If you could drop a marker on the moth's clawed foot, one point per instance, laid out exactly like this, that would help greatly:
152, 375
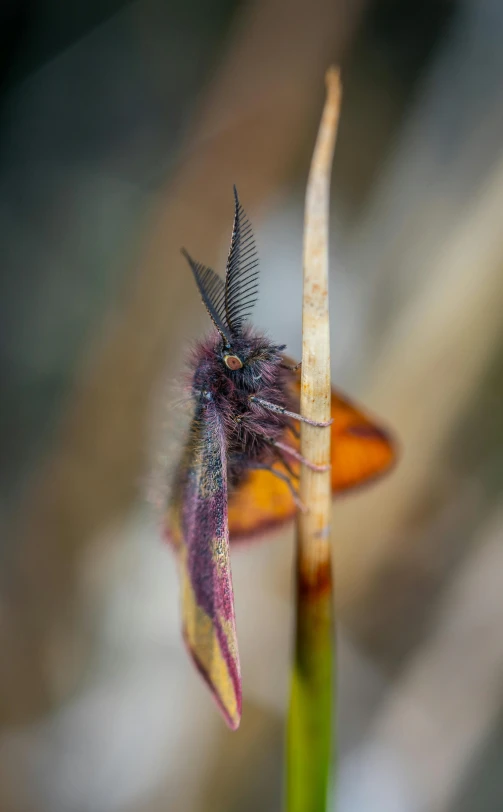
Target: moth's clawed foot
320, 424
292, 452
320, 469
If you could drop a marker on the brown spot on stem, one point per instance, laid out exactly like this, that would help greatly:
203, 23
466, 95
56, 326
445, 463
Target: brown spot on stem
311, 586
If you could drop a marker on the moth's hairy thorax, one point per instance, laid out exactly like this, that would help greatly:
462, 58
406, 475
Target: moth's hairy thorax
248, 427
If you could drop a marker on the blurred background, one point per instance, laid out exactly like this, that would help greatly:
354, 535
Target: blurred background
123, 126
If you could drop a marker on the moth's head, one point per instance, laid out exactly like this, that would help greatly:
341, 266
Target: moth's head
234, 355
240, 352
248, 353
243, 352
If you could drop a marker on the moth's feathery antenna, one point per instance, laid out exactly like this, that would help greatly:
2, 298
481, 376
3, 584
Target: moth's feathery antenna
241, 278
212, 290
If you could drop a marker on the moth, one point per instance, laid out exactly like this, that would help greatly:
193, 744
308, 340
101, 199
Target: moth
238, 473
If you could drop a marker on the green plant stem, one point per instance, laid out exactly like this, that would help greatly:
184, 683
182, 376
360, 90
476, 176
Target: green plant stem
309, 728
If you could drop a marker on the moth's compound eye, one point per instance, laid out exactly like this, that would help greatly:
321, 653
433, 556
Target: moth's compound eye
232, 362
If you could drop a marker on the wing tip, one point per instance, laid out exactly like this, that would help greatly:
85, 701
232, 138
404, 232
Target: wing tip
231, 715
233, 722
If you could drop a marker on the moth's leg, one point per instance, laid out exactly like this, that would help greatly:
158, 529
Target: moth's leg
293, 368
292, 452
273, 407
286, 480
282, 458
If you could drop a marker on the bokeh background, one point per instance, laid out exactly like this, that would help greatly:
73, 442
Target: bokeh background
123, 126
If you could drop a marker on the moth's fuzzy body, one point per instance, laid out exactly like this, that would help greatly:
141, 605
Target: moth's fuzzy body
249, 428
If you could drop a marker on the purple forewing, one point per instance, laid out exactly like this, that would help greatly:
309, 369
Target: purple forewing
207, 595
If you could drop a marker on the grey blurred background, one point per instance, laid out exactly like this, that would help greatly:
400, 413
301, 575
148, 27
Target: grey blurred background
122, 129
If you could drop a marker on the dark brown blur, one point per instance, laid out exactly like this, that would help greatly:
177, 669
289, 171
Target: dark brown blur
123, 127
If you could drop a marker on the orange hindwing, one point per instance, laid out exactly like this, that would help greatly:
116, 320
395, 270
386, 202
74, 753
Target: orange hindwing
361, 452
